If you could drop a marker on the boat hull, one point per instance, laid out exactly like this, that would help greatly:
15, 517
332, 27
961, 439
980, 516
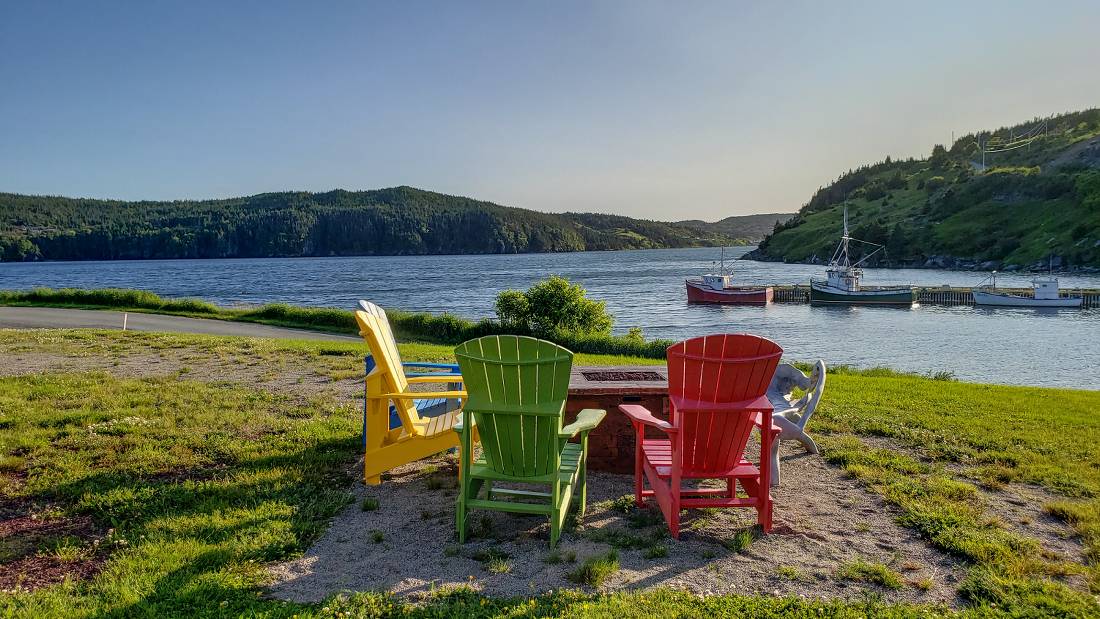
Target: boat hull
1008, 300
897, 297
747, 295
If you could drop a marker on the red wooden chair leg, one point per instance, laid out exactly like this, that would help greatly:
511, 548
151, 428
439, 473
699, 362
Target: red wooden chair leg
674, 516
676, 486
639, 484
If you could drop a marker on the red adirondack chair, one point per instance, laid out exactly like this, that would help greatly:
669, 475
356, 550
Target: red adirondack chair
716, 387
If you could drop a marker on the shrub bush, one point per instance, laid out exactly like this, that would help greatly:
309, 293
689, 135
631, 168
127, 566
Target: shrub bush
554, 305
109, 297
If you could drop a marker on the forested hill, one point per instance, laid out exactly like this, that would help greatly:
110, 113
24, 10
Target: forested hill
749, 228
396, 221
1037, 197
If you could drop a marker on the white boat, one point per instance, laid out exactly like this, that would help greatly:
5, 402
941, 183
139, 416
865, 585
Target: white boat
1045, 294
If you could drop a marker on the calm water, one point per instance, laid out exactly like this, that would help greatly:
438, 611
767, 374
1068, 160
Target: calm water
645, 289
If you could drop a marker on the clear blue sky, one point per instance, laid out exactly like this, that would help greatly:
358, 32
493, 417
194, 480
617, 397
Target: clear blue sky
660, 110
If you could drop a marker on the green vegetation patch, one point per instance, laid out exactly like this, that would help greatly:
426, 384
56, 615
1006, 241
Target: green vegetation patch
596, 569
1026, 205
465, 602
865, 571
952, 434
202, 484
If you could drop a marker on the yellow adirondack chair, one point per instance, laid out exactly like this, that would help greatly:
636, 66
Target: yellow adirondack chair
417, 437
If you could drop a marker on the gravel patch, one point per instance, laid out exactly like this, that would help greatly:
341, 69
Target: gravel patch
408, 546
302, 382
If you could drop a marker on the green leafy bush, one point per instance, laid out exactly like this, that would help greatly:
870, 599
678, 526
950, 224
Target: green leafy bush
554, 305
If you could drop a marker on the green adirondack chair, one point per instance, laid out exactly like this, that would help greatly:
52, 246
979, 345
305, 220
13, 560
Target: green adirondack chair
516, 389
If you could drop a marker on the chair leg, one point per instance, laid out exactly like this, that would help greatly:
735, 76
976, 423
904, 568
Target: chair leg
764, 509
731, 487
674, 515
488, 489
582, 492
807, 442
582, 477
764, 517
775, 463
460, 516
555, 515
639, 484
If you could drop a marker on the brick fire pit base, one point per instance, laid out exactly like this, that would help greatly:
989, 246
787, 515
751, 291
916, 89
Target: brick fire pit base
611, 445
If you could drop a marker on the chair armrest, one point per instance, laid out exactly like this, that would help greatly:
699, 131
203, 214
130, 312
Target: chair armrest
417, 395
434, 378
417, 364
587, 420
450, 369
690, 406
549, 409
640, 414
780, 412
758, 421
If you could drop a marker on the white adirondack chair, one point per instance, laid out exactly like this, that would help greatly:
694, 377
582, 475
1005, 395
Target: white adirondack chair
791, 416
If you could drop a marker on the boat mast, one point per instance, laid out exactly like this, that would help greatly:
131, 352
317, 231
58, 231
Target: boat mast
844, 239
840, 256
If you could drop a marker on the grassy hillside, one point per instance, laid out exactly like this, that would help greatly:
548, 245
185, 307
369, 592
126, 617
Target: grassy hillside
1039, 200
749, 228
396, 221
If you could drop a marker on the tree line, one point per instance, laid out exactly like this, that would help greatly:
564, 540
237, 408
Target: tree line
397, 221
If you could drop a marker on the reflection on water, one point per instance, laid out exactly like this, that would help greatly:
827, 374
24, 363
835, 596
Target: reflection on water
646, 289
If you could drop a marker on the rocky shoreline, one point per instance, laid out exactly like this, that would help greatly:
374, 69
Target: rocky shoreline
950, 263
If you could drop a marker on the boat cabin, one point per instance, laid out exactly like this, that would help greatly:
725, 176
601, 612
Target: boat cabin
1045, 287
717, 282
844, 279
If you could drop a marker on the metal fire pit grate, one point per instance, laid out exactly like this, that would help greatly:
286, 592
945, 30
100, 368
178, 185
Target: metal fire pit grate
612, 376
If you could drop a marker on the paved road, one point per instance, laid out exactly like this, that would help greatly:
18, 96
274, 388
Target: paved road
58, 318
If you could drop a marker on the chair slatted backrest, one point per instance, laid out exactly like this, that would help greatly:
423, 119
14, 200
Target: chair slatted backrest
516, 389
718, 369
375, 329
380, 315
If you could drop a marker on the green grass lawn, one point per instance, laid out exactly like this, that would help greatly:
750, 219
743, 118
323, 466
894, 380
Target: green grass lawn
956, 439
192, 487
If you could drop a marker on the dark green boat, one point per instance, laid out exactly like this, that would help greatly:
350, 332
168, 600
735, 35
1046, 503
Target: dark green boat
842, 284
826, 295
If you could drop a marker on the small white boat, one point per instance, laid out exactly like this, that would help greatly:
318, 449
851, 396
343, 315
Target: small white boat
1045, 294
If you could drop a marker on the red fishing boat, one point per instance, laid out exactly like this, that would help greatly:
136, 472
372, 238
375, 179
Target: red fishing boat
712, 288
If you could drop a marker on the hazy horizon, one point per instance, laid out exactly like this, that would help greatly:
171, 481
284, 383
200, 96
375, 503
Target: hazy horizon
640, 109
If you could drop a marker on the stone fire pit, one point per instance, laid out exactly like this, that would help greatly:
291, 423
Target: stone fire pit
611, 445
